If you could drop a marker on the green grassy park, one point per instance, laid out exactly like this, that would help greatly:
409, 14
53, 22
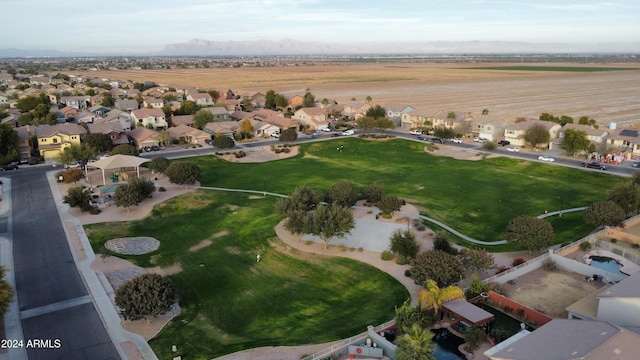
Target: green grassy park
229, 302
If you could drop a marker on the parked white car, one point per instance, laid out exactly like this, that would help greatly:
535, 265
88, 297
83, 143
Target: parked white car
546, 158
456, 140
513, 149
326, 129
415, 132
348, 132
275, 134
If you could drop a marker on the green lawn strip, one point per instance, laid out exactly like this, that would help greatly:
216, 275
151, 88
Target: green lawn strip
553, 68
229, 301
478, 198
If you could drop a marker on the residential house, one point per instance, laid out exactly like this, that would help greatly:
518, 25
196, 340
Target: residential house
312, 117
570, 339
76, 102
202, 99
514, 133
4, 101
53, 139
219, 113
263, 129
226, 94
115, 131
489, 127
99, 109
356, 109
627, 140
460, 122
152, 102
241, 115
126, 104
256, 98
120, 117
597, 136
24, 140
283, 123
182, 120
69, 113
415, 120
230, 104
295, 101
395, 110
262, 114
183, 134
222, 128
86, 117
40, 80
153, 118
143, 137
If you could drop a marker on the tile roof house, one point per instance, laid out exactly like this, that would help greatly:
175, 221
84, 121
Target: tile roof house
241, 115
596, 136
416, 119
126, 104
188, 135
76, 102
282, 122
122, 118
182, 120
262, 114
570, 339
153, 102
24, 140
219, 113
202, 99
142, 137
86, 117
149, 118
624, 140
515, 132
225, 128
356, 109
52, 139
312, 117
230, 104
295, 101
489, 127
257, 98
69, 112
115, 131
396, 110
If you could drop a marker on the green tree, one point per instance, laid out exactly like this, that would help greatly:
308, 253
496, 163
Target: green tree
476, 286
281, 101
444, 133
407, 315
201, 118
604, 213
444, 268
146, 296
288, 135
432, 296
159, 164
627, 196
145, 186
376, 112
78, 197
308, 100
451, 115
223, 142
8, 143
389, 204
373, 194
30, 102
247, 104
127, 196
476, 259
529, 232
108, 100
473, 337
100, 142
537, 134
342, 193
6, 293
366, 124
384, 123
183, 173
404, 243
585, 120
295, 208
188, 107
441, 242
564, 120
270, 100
416, 344
575, 142
368, 98
125, 149
246, 129
329, 221
77, 153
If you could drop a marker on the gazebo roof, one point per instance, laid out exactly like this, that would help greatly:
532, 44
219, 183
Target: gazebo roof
118, 161
469, 312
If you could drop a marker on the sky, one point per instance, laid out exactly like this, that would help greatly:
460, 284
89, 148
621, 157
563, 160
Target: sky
148, 25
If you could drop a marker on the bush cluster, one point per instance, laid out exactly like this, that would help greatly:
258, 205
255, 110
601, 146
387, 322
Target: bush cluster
71, 175
386, 255
518, 261
240, 154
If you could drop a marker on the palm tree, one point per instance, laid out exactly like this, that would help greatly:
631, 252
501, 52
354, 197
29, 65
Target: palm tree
415, 344
433, 296
369, 99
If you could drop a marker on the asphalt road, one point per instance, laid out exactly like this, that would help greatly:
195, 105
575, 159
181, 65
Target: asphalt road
53, 301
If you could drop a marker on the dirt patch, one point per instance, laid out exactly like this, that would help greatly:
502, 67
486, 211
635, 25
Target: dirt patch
461, 154
201, 245
261, 155
167, 270
550, 292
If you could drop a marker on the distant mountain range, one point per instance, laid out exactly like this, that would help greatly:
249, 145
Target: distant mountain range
199, 47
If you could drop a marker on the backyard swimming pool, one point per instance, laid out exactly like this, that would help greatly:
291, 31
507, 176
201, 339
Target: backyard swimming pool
446, 345
607, 264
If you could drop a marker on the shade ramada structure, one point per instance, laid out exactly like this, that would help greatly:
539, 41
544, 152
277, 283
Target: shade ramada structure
118, 162
467, 312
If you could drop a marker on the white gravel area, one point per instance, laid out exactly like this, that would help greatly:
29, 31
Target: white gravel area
133, 245
118, 278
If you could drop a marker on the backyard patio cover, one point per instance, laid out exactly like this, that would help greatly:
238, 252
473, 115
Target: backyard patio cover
118, 161
470, 313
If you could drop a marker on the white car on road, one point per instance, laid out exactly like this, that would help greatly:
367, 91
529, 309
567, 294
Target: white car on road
513, 149
348, 132
415, 132
546, 158
456, 140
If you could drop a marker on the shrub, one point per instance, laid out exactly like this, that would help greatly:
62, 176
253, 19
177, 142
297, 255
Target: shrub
386, 255
489, 145
501, 269
71, 175
585, 246
550, 265
518, 261
614, 240
507, 309
162, 189
520, 312
33, 161
94, 211
497, 288
635, 246
401, 260
407, 273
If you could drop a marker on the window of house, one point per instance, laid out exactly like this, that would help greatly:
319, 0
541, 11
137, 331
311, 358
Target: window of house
55, 140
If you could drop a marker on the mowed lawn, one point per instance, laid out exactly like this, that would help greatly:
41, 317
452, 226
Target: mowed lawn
477, 198
231, 302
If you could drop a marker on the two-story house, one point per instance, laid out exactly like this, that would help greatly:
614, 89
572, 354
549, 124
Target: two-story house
115, 131
126, 104
395, 111
53, 139
155, 103
489, 127
76, 102
597, 136
356, 109
312, 117
514, 133
153, 118
627, 140
201, 99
